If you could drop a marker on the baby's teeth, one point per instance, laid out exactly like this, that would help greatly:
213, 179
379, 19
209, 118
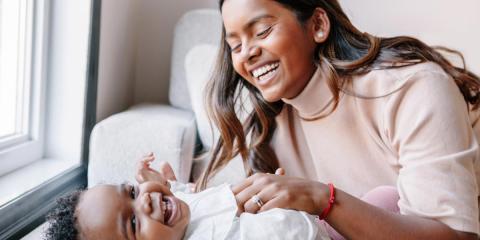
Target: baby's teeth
164, 206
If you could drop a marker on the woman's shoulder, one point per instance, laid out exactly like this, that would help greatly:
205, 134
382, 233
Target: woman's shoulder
419, 71
384, 82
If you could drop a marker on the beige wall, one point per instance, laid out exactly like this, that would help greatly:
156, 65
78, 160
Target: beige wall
135, 47
118, 44
136, 39
155, 32
454, 24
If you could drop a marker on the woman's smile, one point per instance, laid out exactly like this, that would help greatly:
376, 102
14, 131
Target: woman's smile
269, 48
264, 75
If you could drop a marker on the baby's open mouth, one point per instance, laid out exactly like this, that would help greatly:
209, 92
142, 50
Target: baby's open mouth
169, 208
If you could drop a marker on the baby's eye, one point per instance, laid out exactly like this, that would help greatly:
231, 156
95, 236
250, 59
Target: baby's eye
133, 192
133, 222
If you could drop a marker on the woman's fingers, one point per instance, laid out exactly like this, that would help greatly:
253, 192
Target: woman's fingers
242, 185
257, 184
276, 191
256, 202
273, 203
244, 199
255, 178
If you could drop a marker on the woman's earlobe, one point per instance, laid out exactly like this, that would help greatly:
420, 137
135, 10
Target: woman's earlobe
320, 36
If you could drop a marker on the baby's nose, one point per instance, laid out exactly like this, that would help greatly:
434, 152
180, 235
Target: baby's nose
145, 203
157, 206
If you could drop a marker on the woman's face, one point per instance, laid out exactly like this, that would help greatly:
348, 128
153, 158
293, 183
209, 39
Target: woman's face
148, 211
271, 49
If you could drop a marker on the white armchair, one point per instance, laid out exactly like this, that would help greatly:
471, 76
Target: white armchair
174, 131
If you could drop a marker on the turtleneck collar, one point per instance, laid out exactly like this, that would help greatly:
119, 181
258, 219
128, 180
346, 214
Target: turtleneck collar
316, 99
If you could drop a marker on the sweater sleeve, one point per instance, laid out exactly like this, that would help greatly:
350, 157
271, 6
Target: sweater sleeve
428, 126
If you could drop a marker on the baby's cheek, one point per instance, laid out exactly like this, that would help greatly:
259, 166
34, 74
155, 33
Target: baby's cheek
153, 230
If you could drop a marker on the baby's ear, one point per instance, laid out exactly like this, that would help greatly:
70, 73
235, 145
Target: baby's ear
167, 171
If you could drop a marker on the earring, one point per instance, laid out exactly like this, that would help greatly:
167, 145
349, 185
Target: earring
320, 34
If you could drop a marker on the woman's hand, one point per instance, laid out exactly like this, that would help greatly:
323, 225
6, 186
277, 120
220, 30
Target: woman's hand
146, 173
277, 191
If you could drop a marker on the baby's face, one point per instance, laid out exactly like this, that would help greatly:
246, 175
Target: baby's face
147, 211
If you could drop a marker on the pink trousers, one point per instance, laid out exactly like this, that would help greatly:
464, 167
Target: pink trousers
384, 197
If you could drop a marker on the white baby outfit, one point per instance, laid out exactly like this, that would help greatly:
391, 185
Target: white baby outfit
213, 217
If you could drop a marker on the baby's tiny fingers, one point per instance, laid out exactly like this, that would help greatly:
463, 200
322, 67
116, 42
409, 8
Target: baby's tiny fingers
139, 177
280, 171
148, 155
167, 171
149, 159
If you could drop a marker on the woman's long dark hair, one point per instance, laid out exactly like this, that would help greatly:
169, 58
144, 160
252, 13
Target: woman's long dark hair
347, 52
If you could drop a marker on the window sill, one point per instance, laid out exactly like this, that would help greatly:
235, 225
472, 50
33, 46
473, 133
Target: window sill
31, 192
37, 233
27, 178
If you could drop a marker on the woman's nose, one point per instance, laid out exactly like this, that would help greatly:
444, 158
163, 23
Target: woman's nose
250, 53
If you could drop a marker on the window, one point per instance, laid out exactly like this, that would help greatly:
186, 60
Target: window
48, 70
20, 139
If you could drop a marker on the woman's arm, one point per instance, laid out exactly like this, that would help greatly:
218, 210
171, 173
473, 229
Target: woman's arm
426, 125
356, 219
350, 216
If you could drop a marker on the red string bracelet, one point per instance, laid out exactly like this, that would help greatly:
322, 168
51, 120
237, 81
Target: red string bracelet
331, 201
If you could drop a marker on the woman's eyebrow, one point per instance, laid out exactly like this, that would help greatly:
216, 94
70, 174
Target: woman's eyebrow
250, 23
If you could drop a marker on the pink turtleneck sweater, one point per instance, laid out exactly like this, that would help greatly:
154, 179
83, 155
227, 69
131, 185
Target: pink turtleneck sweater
407, 127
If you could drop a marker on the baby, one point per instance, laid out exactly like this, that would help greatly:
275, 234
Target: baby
152, 210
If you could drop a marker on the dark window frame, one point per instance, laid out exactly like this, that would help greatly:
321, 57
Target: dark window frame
25, 213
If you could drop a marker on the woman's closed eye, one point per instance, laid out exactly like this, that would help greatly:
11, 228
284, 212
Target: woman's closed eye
236, 48
265, 32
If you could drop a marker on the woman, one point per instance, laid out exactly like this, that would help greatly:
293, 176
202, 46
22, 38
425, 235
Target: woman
335, 105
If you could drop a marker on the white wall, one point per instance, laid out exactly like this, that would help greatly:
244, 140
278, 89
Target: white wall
155, 32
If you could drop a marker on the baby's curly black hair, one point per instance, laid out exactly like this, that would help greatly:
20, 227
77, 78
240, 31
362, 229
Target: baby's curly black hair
62, 222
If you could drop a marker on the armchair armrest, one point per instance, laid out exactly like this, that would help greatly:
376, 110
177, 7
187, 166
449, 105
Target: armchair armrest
118, 142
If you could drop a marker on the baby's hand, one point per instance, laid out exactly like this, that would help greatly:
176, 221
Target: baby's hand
146, 173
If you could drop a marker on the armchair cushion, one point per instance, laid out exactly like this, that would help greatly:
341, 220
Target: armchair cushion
118, 142
199, 63
196, 27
